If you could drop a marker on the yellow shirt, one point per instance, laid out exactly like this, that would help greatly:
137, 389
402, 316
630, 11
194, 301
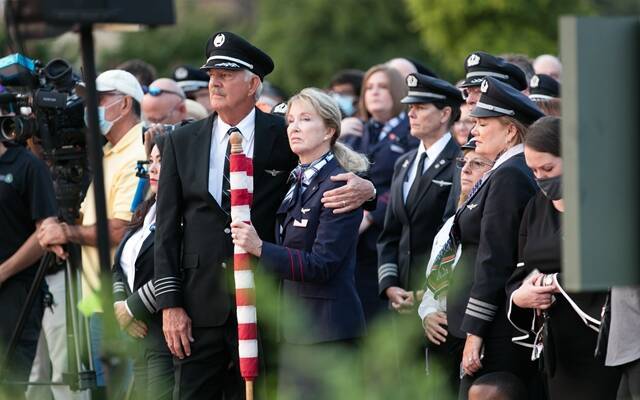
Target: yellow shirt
120, 183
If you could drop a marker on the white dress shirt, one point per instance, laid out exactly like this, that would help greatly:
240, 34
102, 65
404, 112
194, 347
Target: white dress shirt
219, 141
134, 244
432, 154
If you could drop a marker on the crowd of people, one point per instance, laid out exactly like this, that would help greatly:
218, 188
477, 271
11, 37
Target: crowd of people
390, 194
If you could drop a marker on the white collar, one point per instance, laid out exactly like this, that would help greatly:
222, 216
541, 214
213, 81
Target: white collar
247, 127
435, 149
515, 150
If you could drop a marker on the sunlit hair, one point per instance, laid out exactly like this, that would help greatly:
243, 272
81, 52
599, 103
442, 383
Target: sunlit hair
397, 88
549, 106
328, 110
521, 129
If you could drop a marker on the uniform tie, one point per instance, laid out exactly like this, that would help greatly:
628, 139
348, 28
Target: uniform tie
415, 186
226, 184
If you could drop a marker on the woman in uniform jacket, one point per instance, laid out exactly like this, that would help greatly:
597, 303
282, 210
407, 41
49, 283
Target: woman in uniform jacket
486, 226
571, 333
134, 294
314, 253
383, 136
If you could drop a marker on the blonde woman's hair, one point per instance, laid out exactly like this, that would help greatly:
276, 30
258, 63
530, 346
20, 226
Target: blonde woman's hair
521, 129
329, 111
397, 87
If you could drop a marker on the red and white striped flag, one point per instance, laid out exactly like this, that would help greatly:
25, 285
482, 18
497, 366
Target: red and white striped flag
241, 185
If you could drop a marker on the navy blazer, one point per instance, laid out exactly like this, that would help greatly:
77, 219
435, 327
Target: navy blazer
315, 257
487, 227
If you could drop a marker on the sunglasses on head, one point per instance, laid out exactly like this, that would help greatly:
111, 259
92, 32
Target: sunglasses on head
156, 91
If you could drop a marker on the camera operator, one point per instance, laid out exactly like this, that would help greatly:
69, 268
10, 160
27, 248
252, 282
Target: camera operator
163, 104
27, 199
119, 98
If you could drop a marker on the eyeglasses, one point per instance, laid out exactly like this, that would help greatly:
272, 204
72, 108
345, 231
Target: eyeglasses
156, 91
473, 164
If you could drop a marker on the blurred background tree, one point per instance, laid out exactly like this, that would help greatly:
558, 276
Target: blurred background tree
451, 30
310, 40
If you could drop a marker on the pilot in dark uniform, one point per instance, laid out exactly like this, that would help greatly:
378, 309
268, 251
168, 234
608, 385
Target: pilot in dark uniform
419, 191
420, 187
477, 66
383, 142
486, 226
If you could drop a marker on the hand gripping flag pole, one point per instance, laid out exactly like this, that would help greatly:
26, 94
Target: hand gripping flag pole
241, 185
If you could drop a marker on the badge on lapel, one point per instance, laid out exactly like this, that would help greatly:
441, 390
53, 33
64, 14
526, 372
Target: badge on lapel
441, 183
472, 206
273, 172
305, 210
301, 224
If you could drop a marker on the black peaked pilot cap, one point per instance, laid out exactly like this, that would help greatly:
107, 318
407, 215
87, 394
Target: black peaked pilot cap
498, 99
543, 87
190, 78
427, 89
479, 64
226, 50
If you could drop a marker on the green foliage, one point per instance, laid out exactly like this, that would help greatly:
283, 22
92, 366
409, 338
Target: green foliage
451, 30
169, 46
311, 40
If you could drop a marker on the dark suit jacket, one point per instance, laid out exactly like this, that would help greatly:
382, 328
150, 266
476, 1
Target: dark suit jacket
142, 301
405, 242
487, 226
316, 263
193, 266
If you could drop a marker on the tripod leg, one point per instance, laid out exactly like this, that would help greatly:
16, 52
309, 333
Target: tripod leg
24, 312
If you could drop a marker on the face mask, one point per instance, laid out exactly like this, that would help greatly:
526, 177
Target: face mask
345, 103
551, 187
105, 126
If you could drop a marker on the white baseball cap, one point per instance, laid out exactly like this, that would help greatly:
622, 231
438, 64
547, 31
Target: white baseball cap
120, 81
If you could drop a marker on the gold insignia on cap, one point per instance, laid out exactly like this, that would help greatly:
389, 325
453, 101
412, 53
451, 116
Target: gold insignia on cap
484, 86
473, 59
181, 73
219, 40
535, 81
412, 81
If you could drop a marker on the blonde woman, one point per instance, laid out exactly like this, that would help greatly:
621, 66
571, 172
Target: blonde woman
314, 254
486, 226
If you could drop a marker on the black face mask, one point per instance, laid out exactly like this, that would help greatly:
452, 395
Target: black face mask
551, 187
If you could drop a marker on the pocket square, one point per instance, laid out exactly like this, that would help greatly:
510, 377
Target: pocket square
302, 223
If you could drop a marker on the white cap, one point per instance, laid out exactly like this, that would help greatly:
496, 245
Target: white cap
120, 81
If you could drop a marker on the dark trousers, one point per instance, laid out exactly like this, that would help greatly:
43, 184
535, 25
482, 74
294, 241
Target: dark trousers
13, 294
153, 375
442, 362
211, 369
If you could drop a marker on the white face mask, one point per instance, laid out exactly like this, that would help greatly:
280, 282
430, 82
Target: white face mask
105, 126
